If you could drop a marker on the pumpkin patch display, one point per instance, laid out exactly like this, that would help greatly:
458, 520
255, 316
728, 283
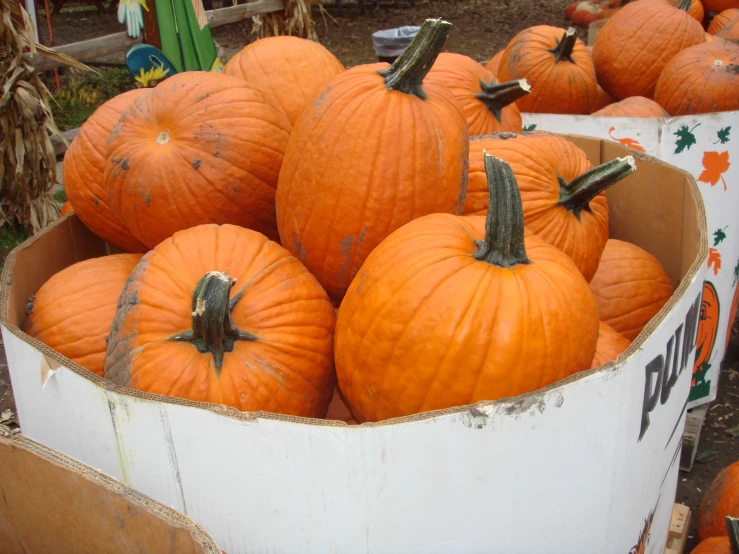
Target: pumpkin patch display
72, 312
695, 10
730, 31
722, 19
202, 147
713, 545
488, 106
377, 149
635, 106
494, 64
719, 501
481, 310
222, 314
610, 345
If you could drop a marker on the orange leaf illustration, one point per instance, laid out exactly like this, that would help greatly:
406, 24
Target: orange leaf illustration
627, 142
714, 165
714, 260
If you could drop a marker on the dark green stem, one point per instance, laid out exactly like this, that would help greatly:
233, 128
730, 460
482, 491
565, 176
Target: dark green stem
732, 526
498, 96
563, 50
685, 5
503, 245
213, 329
576, 195
407, 72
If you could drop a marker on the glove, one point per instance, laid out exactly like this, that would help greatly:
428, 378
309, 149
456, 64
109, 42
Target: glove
130, 13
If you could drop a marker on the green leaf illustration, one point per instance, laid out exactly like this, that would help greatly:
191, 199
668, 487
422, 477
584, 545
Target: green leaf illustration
685, 139
718, 236
529, 127
723, 135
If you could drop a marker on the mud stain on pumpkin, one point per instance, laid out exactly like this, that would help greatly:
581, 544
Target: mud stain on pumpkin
732, 68
202, 97
345, 250
298, 249
196, 164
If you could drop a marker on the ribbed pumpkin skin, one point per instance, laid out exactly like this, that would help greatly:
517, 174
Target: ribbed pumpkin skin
494, 64
630, 287
602, 99
722, 19
290, 70
462, 76
201, 148
363, 161
84, 165
66, 209
288, 369
636, 107
458, 330
719, 501
696, 9
730, 30
637, 42
713, 545
560, 87
73, 310
718, 6
701, 79
536, 160
610, 345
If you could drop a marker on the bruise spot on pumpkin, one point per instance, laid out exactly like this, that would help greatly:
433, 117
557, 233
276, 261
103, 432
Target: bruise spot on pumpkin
96, 201
196, 164
733, 68
115, 161
345, 250
29, 305
124, 165
298, 249
201, 97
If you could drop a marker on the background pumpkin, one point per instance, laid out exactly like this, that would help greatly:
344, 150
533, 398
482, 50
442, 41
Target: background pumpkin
602, 99
708, 322
722, 19
638, 41
351, 176
455, 302
260, 345
66, 209
610, 345
635, 106
719, 501
290, 70
696, 10
730, 30
72, 312
83, 168
713, 545
718, 6
630, 287
201, 148
494, 63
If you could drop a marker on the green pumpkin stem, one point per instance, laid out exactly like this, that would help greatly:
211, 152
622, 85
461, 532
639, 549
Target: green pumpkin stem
576, 195
407, 72
732, 526
685, 5
499, 95
503, 245
563, 50
213, 330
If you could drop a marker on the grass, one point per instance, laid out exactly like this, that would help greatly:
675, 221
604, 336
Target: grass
10, 237
60, 196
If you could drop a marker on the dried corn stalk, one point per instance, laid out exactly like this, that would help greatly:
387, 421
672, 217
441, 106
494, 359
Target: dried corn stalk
27, 159
296, 20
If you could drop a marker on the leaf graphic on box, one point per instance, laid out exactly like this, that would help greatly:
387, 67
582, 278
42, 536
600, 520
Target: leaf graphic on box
715, 164
714, 260
723, 135
685, 138
529, 127
718, 236
627, 142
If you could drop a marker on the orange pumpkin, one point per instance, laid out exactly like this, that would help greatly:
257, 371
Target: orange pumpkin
488, 105
610, 345
84, 164
352, 176
719, 501
289, 70
636, 107
732, 317
695, 10
713, 545
635, 45
66, 209
481, 310
708, 322
557, 66
221, 314
494, 63
722, 19
562, 194
202, 147
72, 312
730, 30
602, 99
630, 287
718, 6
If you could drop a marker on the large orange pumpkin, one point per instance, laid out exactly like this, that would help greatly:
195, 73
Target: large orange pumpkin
719, 501
494, 62
375, 150
701, 79
557, 66
562, 194
201, 148
488, 106
72, 312
695, 10
610, 345
708, 321
290, 70
722, 19
630, 287
480, 310
730, 30
636, 107
83, 168
638, 41
221, 314
713, 545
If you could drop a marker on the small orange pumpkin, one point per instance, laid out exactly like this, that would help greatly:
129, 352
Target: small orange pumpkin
719, 501
66, 209
635, 106
708, 322
72, 312
696, 9
730, 30
722, 19
610, 345
713, 545
494, 63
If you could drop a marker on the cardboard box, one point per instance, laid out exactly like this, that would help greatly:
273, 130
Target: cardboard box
704, 146
586, 466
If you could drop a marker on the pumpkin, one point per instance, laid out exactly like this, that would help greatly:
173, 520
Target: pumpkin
488, 105
602, 99
695, 10
732, 317
291, 71
730, 30
494, 64
713, 545
718, 6
480, 310
719, 501
635, 45
562, 194
557, 66
722, 19
66, 209
701, 79
610, 345
338, 410
83, 168
221, 314
630, 287
73, 310
636, 107
352, 176
708, 322
202, 147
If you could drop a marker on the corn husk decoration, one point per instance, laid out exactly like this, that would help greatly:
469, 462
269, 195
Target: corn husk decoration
296, 20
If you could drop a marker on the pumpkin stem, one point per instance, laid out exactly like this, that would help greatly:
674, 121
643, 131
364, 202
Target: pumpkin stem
497, 96
503, 244
576, 195
407, 72
685, 5
563, 50
213, 330
732, 526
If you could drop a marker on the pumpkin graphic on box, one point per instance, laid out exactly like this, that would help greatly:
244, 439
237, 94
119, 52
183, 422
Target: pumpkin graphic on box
705, 339
732, 316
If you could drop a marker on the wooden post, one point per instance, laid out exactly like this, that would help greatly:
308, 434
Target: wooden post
151, 27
